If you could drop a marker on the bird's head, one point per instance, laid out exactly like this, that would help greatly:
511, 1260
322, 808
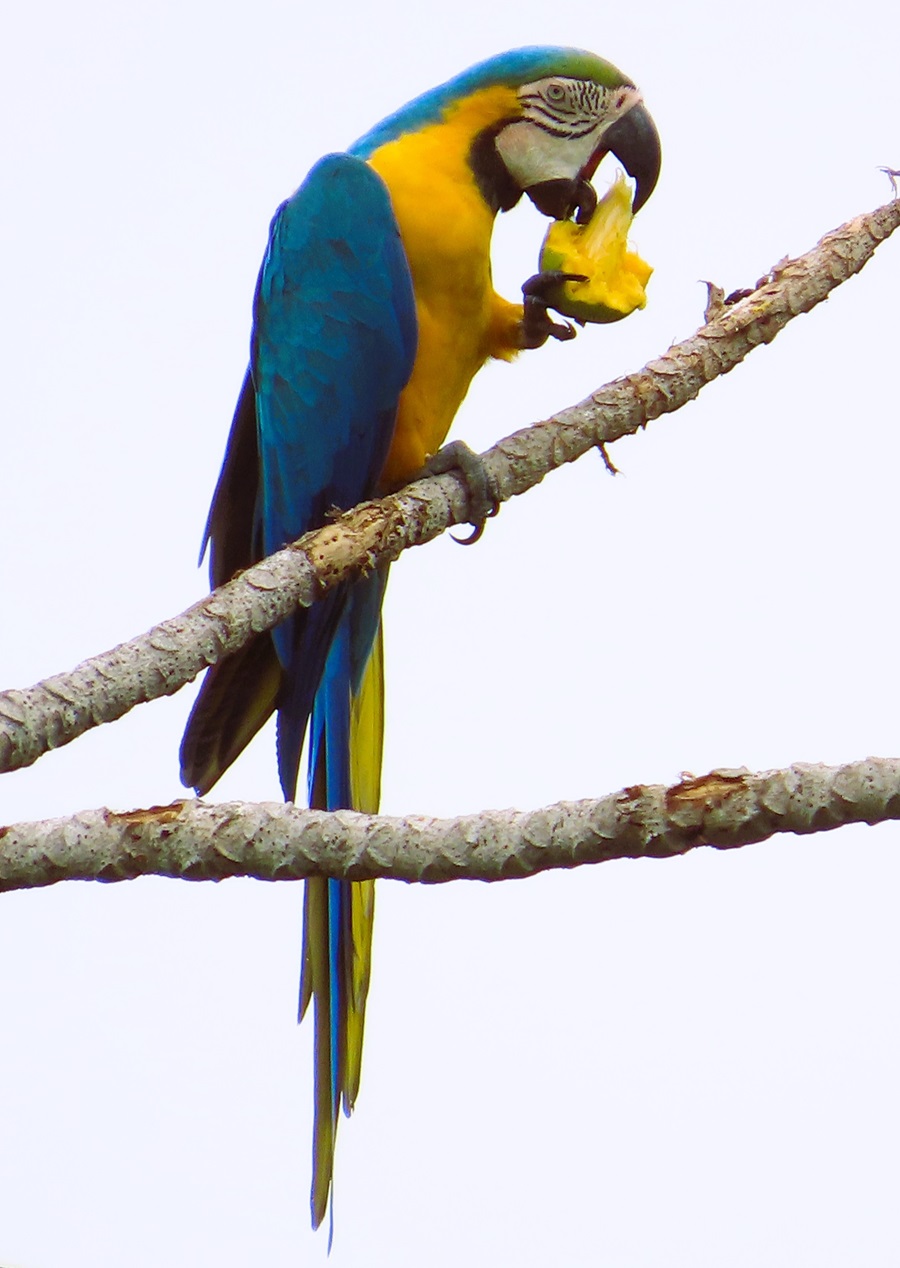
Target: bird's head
568, 117
567, 124
538, 121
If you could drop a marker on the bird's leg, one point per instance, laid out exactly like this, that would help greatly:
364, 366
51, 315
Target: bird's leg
483, 500
537, 324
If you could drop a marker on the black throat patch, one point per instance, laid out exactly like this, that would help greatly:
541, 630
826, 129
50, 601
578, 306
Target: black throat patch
497, 187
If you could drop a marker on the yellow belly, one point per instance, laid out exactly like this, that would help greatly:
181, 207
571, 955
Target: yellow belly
446, 228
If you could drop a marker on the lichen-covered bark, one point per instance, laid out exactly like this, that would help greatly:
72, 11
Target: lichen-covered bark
273, 841
160, 662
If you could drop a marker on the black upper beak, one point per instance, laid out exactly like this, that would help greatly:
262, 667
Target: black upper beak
634, 141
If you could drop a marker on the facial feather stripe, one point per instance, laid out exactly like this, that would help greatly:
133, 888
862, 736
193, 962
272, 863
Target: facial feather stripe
566, 107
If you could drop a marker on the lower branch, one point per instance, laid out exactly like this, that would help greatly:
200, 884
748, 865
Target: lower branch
192, 840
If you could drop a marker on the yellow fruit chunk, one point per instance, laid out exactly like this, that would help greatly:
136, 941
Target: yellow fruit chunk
599, 249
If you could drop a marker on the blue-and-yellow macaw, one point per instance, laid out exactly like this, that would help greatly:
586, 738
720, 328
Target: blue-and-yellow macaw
373, 311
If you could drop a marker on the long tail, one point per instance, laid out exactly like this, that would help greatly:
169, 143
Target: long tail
346, 724
346, 731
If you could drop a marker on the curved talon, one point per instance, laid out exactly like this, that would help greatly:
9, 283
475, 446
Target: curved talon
538, 326
541, 285
477, 529
474, 536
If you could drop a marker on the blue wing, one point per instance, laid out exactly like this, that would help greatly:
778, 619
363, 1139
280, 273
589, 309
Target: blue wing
333, 345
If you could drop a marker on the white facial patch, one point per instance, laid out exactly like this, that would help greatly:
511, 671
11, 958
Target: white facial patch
531, 155
562, 125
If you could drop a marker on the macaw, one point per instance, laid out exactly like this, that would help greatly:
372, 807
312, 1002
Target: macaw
373, 311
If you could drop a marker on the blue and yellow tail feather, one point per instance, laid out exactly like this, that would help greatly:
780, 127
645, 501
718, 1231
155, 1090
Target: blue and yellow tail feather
346, 737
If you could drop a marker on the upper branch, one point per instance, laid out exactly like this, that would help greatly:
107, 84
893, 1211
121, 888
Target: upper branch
194, 840
160, 662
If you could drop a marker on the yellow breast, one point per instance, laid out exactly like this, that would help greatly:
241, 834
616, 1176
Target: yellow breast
446, 229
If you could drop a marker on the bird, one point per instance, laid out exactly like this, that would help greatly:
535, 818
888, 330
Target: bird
374, 308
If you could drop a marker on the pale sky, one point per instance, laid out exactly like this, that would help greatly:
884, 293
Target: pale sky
639, 1065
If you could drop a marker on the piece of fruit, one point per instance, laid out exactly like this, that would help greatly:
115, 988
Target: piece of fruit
599, 249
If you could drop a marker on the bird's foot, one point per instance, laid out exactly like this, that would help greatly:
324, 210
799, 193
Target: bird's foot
483, 500
537, 324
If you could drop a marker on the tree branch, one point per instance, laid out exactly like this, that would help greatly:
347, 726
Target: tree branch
193, 840
163, 660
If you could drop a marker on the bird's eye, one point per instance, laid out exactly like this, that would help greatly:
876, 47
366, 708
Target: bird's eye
556, 92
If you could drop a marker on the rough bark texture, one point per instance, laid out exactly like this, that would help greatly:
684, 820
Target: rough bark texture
160, 662
273, 841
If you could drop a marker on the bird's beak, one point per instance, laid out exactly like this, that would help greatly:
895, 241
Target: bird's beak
634, 141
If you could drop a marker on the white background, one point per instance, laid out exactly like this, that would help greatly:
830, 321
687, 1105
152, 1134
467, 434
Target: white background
662, 1063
